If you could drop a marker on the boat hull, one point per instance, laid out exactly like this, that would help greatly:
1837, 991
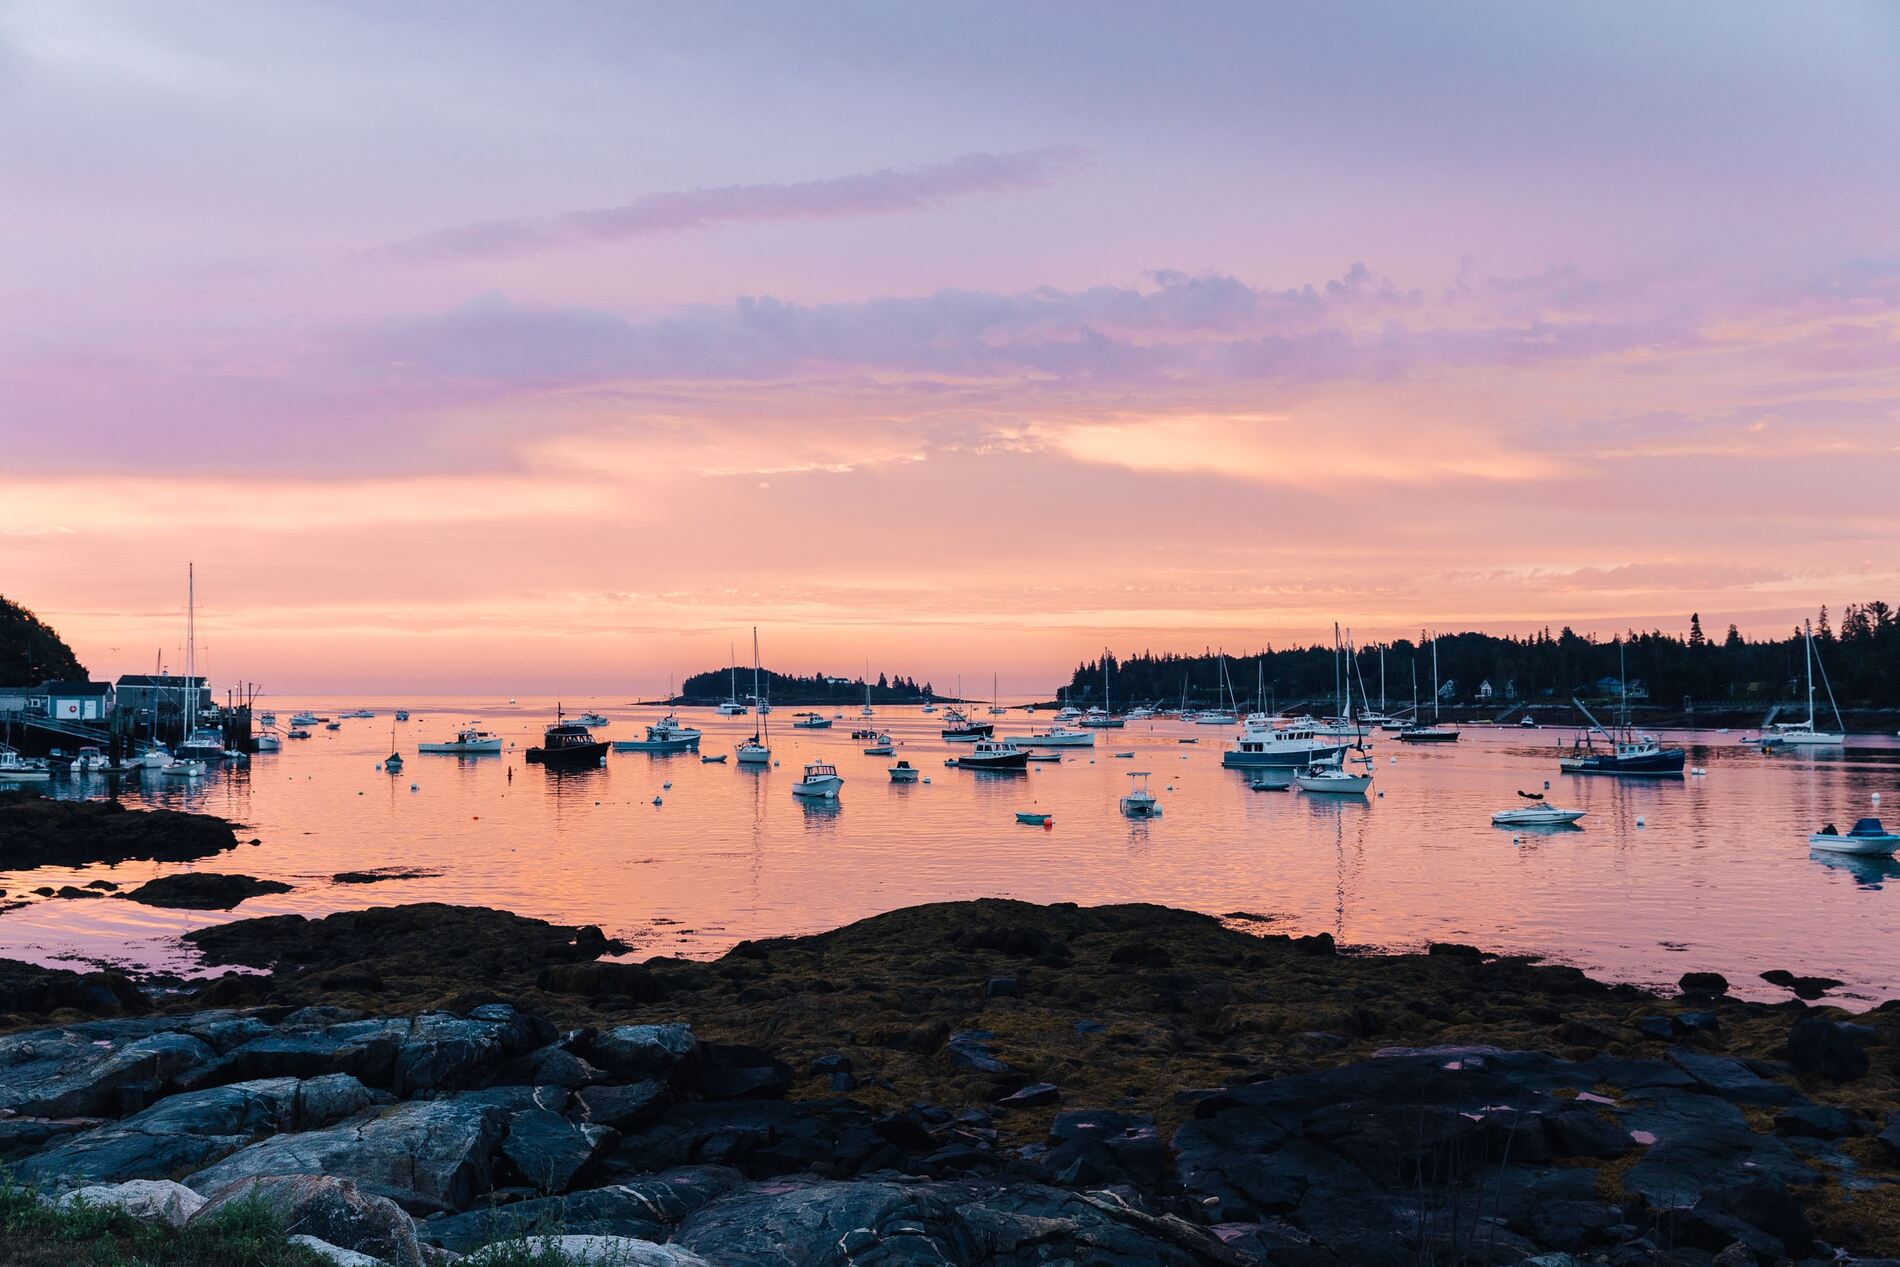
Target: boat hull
995, 761
461, 749
690, 744
1428, 736
1663, 764
1861, 846
755, 756
1350, 785
1054, 740
968, 734
824, 789
1535, 818
1289, 757
579, 757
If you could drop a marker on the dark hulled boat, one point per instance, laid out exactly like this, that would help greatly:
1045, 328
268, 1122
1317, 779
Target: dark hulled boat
1625, 753
567, 746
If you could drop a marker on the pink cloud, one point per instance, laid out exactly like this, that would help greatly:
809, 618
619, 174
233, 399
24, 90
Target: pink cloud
886, 191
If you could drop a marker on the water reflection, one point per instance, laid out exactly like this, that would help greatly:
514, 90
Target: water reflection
1717, 874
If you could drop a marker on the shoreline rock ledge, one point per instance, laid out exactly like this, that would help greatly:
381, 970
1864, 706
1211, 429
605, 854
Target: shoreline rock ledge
990, 1129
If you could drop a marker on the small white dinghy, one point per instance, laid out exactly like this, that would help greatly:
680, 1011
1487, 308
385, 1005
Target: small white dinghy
1866, 837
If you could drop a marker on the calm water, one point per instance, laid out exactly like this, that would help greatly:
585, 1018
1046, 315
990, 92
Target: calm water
1718, 876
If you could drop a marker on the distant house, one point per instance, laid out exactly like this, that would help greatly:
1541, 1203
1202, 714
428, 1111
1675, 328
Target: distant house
1639, 689
1484, 689
160, 692
1449, 690
72, 701
1609, 686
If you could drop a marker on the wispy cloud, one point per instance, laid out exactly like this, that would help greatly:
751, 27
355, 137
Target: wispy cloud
886, 191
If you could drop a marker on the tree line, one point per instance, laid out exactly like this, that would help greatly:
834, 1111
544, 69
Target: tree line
1860, 659
31, 653
716, 684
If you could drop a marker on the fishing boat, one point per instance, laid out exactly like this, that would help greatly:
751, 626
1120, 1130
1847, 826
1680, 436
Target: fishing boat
1802, 734
1538, 813
304, 719
1034, 819
298, 732
1140, 802
1331, 779
1294, 745
758, 749
15, 768
402, 714
1055, 737
664, 735
811, 721
960, 729
929, 707
593, 719
820, 781
468, 740
567, 745
1866, 837
993, 754
881, 747
903, 772
204, 743
268, 742
1629, 753
89, 761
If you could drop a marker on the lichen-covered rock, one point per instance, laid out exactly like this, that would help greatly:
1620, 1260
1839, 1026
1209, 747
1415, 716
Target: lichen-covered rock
646, 1208
594, 1251
646, 1051
331, 1209
94, 1070
149, 1200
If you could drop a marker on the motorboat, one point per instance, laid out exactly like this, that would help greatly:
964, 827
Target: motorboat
1537, 813
903, 772
393, 762
593, 719
812, 721
820, 781
1055, 737
267, 742
469, 739
1526, 723
333, 725
185, 769
962, 730
1140, 802
1291, 745
1214, 717
1067, 713
1867, 837
204, 743
567, 745
665, 735
1043, 756
1142, 713
731, 708
994, 754
882, 747
1271, 779
298, 732
89, 761
1102, 719
1428, 734
15, 768
304, 719
270, 719
1331, 778
402, 714
929, 707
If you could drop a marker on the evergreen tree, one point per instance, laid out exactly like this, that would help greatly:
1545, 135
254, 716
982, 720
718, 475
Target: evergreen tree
31, 653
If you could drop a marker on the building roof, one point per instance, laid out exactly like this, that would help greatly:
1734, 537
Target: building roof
174, 681
76, 688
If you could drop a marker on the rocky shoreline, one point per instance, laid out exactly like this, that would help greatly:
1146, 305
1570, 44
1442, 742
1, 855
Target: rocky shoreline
984, 1082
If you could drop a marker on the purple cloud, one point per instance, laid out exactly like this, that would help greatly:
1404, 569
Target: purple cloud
886, 191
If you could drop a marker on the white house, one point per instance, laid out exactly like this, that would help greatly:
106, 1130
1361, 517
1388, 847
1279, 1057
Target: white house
1484, 689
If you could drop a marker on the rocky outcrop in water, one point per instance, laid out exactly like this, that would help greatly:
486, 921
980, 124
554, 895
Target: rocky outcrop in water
203, 890
37, 831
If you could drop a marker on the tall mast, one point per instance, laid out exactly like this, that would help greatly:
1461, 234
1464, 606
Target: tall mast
1807, 628
765, 720
1434, 675
732, 676
1382, 677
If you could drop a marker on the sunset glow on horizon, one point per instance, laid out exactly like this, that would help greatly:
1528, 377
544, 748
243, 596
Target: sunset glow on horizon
556, 347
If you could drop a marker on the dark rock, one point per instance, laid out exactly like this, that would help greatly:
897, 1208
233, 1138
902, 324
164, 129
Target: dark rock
1089, 1027
904, 1224
971, 1050
1698, 1022
649, 1208
1703, 983
98, 1069
1453, 950
364, 1049
1141, 954
605, 980
831, 1062
1032, 1096
1317, 944
736, 1072
203, 890
334, 1210
1731, 1079
1001, 988
41, 832
552, 1153
1803, 987
424, 1155
623, 1107
1890, 1139
1656, 1026
1815, 1121
1091, 1148
1754, 1205
646, 1051
186, 1132
20, 1136
105, 886
1827, 1048
843, 1081
28, 989
761, 1138
71, 891
380, 874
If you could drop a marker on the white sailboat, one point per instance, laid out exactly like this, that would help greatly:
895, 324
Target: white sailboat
867, 710
758, 749
996, 703
733, 707
1802, 734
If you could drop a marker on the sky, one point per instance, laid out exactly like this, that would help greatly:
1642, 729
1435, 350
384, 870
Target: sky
468, 346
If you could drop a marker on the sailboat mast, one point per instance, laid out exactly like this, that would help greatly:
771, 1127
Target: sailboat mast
1807, 628
1434, 675
1382, 677
757, 699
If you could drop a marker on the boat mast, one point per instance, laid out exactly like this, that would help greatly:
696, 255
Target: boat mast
732, 676
1434, 675
1382, 677
1807, 628
763, 717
